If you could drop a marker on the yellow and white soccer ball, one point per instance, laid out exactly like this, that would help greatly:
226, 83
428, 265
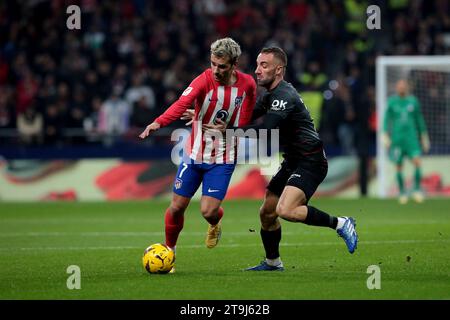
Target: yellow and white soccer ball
158, 258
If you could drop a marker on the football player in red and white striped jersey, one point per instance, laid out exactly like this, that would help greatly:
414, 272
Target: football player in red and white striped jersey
221, 94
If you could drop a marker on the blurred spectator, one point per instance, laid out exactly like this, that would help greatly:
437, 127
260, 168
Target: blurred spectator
47, 92
356, 16
7, 112
27, 89
297, 12
113, 117
337, 123
345, 115
365, 134
95, 37
92, 84
4, 71
77, 111
138, 90
120, 80
30, 125
53, 124
313, 79
91, 122
103, 78
141, 115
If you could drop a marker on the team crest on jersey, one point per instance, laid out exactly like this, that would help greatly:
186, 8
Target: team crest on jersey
410, 108
178, 183
238, 102
187, 91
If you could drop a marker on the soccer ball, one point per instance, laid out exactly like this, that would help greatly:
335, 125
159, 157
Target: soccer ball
158, 258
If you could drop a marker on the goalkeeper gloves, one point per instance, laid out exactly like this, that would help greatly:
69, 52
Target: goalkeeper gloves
425, 143
386, 140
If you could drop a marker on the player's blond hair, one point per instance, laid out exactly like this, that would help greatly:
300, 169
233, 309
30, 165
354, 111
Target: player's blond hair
226, 47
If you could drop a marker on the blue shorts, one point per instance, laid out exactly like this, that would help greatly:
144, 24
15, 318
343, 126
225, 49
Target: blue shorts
215, 178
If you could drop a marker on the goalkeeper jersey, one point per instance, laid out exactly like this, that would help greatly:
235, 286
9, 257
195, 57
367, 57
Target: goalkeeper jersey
403, 119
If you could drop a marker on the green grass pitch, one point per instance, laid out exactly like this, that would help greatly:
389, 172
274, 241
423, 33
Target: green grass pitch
410, 244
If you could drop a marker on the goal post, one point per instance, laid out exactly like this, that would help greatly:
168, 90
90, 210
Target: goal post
429, 77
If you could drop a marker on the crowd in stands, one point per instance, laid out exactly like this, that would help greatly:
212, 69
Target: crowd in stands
132, 58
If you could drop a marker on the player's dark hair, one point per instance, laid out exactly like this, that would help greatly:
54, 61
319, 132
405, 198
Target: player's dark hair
277, 53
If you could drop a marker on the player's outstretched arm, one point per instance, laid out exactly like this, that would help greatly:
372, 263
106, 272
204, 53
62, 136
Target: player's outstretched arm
152, 127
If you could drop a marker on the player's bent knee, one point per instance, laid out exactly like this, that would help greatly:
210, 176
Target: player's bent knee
267, 212
177, 208
209, 212
283, 211
178, 204
267, 216
263, 211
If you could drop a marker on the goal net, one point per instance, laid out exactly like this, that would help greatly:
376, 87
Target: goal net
429, 81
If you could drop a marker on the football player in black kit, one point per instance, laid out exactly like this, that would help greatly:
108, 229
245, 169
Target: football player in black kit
304, 167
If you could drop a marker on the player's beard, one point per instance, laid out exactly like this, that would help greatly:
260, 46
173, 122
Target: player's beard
267, 82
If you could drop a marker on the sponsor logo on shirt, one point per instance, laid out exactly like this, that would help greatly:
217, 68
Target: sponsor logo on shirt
221, 115
278, 105
187, 91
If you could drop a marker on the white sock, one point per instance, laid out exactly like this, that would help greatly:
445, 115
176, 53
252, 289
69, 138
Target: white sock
274, 262
340, 223
173, 249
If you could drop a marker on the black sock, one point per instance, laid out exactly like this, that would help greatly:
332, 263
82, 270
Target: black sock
271, 241
315, 217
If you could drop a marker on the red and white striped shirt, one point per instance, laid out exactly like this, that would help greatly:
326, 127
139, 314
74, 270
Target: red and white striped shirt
232, 104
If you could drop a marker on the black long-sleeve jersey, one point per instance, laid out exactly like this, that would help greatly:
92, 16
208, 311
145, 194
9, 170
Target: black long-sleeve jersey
284, 109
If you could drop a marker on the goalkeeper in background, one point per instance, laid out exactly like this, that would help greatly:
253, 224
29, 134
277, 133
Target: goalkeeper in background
405, 134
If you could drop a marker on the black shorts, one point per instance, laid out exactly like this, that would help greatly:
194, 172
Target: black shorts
303, 175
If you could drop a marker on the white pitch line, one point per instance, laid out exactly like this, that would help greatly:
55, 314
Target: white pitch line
118, 234
235, 245
68, 221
